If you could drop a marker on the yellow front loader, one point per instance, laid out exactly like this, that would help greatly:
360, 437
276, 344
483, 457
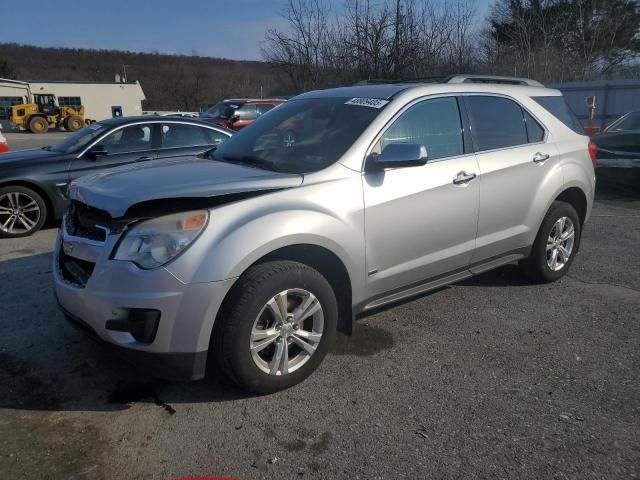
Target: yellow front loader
43, 113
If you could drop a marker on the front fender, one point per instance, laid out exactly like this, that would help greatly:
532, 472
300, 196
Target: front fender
240, 234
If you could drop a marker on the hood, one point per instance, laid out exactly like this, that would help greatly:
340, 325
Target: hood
25, 155
116, 190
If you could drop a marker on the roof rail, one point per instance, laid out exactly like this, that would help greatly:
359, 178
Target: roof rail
384, 81
493, 79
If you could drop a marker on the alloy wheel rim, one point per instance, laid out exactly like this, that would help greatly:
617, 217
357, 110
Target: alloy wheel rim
19, 213
287, 332
560, 243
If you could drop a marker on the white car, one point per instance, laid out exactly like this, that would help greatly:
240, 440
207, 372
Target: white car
4, 146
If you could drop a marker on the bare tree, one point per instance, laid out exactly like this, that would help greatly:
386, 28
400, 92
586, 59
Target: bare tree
301, 53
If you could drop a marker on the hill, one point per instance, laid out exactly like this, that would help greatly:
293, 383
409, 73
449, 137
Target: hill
170, 82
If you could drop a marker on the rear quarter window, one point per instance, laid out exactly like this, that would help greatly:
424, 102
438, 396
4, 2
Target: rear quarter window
557, 107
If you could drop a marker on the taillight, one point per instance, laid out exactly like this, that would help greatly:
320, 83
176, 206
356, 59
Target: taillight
593, 151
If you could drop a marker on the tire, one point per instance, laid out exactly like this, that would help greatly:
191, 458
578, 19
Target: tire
24, 223
246, 310
73, 123
540, 266
38, 125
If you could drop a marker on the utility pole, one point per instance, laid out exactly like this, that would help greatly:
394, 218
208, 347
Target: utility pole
396, 42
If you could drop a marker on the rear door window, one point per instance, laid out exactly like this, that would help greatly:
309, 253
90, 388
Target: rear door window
557, 107
496, 122
175, 135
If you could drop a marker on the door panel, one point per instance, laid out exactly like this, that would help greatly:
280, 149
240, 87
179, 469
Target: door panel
510, 184
418, 223
508, 139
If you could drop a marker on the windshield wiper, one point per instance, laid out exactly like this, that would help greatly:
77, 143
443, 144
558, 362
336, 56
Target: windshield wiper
251, 160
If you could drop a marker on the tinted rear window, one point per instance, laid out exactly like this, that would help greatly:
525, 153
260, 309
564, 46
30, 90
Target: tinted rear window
559, 109
496, 122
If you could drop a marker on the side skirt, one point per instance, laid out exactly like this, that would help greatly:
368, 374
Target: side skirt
410, 291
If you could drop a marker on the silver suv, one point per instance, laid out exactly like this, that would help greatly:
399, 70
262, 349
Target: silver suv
328, 207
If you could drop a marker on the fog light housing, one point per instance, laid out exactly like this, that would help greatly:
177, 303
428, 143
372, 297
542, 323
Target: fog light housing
141, 323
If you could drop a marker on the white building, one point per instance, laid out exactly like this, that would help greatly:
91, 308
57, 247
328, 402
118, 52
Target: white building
100, 99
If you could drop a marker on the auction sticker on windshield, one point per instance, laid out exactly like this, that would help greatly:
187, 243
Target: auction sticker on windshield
367, 102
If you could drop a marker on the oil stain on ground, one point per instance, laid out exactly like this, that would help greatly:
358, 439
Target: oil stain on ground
365, 341
136, 392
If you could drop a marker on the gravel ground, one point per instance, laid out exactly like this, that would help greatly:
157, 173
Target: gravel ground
490, 378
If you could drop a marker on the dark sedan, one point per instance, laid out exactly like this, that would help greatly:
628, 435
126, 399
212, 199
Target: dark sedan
618, 159
33, 183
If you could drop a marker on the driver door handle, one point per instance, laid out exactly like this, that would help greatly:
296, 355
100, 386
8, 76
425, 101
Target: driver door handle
462, 178
540, 157
143, 159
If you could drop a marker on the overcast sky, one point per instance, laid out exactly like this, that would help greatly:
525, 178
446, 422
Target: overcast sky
217, 28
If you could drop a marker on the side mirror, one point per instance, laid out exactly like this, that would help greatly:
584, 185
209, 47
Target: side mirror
234, 118
96, 151
399, 155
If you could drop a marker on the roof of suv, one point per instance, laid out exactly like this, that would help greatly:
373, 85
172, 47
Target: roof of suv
458, 83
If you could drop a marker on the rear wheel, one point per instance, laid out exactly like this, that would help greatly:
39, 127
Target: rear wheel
74, 123
276, 327
556, 244
38, 124
22, 211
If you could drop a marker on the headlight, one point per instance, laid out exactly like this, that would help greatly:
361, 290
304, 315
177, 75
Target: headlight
153, 243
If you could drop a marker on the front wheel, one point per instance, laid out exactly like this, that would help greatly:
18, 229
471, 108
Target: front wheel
22, 211
276, 327
74, 123
556, 244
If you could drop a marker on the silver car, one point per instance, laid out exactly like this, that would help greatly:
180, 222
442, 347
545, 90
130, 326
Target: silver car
334, 204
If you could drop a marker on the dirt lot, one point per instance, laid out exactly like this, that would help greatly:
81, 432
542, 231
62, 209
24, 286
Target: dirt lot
491, 378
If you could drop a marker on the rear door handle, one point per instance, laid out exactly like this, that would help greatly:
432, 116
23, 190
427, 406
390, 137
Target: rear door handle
540, 157
462, 178
143, 159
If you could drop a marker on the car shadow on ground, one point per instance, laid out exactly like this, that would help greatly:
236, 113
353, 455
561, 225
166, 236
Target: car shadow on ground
47, 364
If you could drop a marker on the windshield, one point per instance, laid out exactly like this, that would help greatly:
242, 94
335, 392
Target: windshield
630, 121
81, 138
223, 110
301, 136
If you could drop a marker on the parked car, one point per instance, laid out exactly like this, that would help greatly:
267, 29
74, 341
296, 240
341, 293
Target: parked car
33, 183
248, 113
257, 257
618, 161
4, 145
223, 111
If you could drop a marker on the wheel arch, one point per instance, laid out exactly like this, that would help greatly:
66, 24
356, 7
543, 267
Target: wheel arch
576, 197
327, 263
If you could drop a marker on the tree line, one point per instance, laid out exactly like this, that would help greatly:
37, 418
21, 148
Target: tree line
170, 82
548, 40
